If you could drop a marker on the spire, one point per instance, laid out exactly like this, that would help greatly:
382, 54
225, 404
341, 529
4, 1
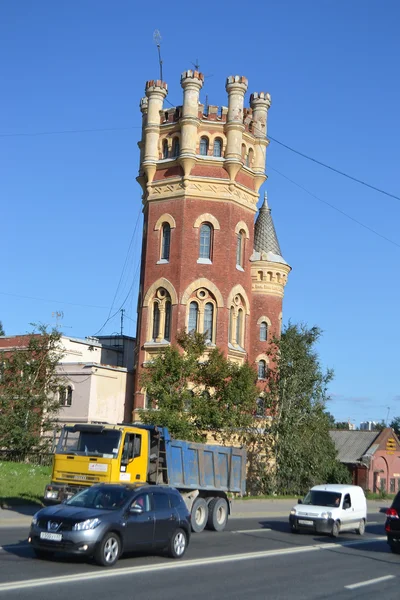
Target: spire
265, 239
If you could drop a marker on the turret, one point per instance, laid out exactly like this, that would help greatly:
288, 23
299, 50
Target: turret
156, 91
191, 82
260, 104
236, 87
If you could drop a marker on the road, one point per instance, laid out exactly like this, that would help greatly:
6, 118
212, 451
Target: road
254, 558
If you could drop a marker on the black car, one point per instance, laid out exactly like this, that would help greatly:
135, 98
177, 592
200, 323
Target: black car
392, 525
106, 520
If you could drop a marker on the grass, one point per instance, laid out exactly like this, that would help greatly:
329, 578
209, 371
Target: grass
21, 483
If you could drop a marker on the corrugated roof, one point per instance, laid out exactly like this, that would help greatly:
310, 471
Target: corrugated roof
352, 445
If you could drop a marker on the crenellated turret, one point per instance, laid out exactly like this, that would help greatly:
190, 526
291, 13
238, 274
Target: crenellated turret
260, 104
156, 91
191, 82
236, 86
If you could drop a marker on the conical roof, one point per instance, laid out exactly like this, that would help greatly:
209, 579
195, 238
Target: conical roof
265, 239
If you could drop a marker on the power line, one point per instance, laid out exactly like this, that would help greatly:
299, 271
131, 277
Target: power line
322, 164
335, 208
53, 301
37, 133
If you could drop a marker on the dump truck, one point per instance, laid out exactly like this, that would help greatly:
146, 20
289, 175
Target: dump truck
92, 453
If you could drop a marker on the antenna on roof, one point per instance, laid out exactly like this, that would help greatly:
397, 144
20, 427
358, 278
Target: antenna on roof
196, 65
157, 40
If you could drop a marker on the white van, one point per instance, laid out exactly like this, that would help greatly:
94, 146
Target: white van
330, 509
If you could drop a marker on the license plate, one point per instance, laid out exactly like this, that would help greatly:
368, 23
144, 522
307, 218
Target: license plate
54, 537
305, 522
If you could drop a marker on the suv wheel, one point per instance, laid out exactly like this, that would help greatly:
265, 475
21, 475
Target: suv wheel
108, 551
178, 544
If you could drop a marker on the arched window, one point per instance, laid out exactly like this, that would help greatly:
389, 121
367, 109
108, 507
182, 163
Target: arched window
203, 146
243, 151
240, 248
262, 369
217, 151
166, 241
260, 407
249, 159
239, 327
231, 321
208, 321
156, 321
263, 331
205, 241
193, 316
165, 149
167, 327
175, 147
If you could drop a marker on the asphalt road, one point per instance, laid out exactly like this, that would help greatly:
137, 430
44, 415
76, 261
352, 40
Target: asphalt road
253, 558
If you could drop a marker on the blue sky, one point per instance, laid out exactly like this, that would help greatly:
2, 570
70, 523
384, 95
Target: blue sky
71, 208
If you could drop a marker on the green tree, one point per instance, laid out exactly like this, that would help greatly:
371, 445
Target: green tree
395, 425
2, 332
298, 442
28, 392
192, 396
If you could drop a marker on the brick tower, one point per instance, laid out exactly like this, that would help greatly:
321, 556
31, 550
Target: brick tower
205, 265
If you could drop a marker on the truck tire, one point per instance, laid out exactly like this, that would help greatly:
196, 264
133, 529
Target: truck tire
217, 514
199, 515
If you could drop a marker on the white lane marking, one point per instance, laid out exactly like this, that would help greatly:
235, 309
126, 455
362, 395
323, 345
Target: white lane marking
252, 530
354, 586
144, 569
373, 523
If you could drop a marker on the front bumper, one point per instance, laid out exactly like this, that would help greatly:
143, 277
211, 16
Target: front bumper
72, 542
54, 493
311, 524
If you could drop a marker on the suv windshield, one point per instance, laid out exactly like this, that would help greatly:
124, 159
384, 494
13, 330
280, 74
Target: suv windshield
322, 498
103, 443
104, 497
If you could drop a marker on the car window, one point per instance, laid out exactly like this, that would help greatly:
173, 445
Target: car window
161, 501
347, 499
143, 501
175, 500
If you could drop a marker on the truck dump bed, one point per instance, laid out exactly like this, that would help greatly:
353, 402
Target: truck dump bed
204, 466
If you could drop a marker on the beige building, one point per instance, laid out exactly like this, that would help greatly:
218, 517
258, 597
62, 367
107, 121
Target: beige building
97, 379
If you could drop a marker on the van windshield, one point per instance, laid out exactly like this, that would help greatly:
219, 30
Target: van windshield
322, 498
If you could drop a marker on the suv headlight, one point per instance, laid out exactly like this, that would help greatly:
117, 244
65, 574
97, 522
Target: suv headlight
88, 524
34, 520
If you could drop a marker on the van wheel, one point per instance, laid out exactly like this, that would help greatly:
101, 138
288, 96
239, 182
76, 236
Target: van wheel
199, 515
361, 528
335, 529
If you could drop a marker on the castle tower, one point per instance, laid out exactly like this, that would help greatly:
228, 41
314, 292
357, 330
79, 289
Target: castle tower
201, 169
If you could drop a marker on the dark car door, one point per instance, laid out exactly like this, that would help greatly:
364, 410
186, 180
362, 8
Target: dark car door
166, 518
139, 528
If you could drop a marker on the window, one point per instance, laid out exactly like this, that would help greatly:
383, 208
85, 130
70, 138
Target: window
167, 330
193, 316
161, 317
263, 331
204, 146
217, 147
156, 320
239, 326
240, 248
175, 147
175, 500
161, 501
208, 321
262, 369
205, 241
237, 322
249, 158
347, 501
260, 407
143, 502
165, 149
65, 395
392, 483
166, 241
132, 445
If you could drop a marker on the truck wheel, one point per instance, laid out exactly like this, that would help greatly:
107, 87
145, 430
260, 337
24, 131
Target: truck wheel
108, 551
199, 515
217, 514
